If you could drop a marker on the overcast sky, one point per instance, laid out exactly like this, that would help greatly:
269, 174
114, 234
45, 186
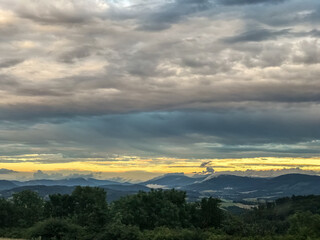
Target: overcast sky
114, 85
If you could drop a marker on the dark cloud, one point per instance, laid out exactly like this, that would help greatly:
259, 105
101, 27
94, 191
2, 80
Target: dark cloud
204, 164
315, 33
257, 35
173, 12
10, 62
208, 169
75, 54
244, 2
177, 134
289, 14
8, 82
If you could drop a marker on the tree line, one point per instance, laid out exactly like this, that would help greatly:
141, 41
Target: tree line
155, 215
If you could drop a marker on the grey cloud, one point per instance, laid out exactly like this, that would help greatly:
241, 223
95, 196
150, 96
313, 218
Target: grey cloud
6, 171
163, 17
209, 170
204, 164
40, 92
77, 175
289, 14
143, 72
257, 35
312, 33
54, 18
62, 12
10, 62
10, 161
136, 97
193, 134
309, 53
243, 2
315, 33
77, 53
269, 173
59, 175
7, 82
169, 79
41, 175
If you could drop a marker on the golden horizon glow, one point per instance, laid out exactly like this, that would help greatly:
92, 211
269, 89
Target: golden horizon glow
32, 163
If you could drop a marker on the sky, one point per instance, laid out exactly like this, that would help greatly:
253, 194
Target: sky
144, 87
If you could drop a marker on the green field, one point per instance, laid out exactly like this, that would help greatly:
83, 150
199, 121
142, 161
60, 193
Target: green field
11, 239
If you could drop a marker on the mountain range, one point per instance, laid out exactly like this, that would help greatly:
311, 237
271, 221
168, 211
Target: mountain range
228, 187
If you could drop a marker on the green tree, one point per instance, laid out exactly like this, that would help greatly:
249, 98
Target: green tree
211, 214
55, 229
153, 209
119, 231
90, 206
8, 214
305, 224
59, 206
29, 207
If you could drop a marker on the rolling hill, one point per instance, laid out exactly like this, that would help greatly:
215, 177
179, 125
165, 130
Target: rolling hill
67, 182
238, 188
114, 192
4, 184
223, 186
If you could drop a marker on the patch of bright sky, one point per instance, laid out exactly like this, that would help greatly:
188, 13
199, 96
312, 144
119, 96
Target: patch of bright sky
35, 162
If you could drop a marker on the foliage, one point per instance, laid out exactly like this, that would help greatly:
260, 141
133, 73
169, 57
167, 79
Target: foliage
7, 213
87, 206
118, 231
154, 215
28, 207
211, 215
59, 206
305, 224
55, 229
154, 209
90, 206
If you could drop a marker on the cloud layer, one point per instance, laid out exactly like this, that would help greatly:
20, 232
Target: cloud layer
191, 79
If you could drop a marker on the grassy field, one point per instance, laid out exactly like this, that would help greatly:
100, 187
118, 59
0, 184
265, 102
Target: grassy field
11, 239
229, 203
